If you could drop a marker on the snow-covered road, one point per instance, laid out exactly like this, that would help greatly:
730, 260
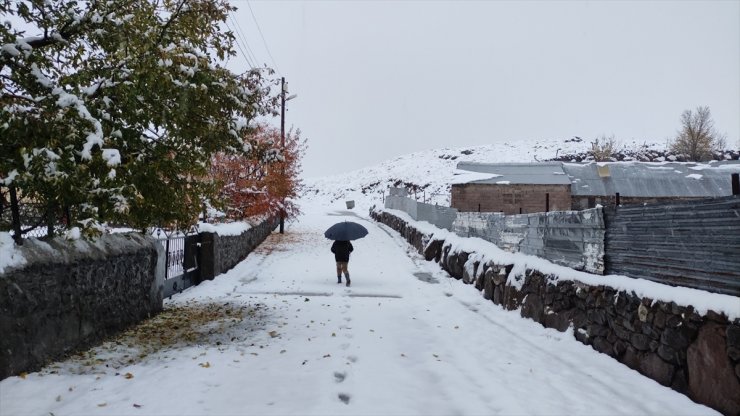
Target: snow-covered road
404, 339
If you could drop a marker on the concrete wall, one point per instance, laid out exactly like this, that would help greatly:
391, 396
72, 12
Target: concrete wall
570, 238
70, 295
697, 355
509, 199
440, 216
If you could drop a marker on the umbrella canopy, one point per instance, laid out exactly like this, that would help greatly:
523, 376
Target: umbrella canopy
345, 231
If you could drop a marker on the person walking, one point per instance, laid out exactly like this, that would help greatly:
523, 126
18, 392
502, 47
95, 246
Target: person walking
341, 250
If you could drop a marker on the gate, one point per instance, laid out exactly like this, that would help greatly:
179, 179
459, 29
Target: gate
181, 264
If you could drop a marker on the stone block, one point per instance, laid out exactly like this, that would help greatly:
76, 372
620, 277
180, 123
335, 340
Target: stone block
654, 367
712, 378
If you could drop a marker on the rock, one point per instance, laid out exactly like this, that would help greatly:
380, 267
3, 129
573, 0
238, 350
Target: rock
433, 251
487, 285
499, 277
557, 321
597, 331
630, 358
498, 294
712, 378
667, 353
642, 313
733, 336
673, 321
619, 348
652, 366
680, 383
733, 353
597, 316
678, 338
601, 345
532, 308
640, 341
659, 320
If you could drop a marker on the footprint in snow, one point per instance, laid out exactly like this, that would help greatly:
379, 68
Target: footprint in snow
352, 358
339, 377
344, 397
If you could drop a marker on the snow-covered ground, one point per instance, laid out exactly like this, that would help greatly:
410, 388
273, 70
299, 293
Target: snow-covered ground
278, 335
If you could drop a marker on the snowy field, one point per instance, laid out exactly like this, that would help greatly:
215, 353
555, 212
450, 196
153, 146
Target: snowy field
277, 335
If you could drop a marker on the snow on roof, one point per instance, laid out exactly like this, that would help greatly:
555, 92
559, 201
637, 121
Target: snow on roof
643, 179
629, 179
518, 173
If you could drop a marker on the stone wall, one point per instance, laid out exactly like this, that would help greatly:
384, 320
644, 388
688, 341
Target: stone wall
697, 355
509, 199
569, 238
70, 295
220, 253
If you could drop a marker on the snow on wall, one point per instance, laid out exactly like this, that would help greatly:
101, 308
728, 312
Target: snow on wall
68, 294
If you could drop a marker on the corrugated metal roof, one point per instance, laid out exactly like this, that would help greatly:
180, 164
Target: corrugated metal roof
630, 179
638, 179
550, 173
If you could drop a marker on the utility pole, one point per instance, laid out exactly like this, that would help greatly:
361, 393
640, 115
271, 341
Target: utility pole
282, 143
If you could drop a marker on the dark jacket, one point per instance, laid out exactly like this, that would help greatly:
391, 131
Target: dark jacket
341, 250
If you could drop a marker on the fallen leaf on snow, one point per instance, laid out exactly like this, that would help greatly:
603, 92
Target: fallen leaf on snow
137, 405
23, 375
102, 404
273, 334
128, 375
205, 364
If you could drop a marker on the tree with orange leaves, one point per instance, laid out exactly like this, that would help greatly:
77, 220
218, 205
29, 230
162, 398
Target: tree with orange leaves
264, 184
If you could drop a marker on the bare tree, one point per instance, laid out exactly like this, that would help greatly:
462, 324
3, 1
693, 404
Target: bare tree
603, 148
697, 138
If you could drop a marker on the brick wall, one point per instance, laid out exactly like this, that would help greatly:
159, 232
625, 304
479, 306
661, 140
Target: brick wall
509, 199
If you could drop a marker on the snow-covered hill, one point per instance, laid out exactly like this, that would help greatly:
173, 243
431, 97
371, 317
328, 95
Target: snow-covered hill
430, 172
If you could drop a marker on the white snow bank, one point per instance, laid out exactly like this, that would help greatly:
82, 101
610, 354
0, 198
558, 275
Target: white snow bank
10, 256
701, 300
232, 228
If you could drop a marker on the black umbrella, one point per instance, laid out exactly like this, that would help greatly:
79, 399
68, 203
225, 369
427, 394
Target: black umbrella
345, 231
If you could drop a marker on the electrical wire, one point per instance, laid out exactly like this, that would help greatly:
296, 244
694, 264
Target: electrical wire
263, 37
244, 54
240, 34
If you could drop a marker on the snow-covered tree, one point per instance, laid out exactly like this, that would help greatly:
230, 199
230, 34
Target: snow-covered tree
112, 110
265, 183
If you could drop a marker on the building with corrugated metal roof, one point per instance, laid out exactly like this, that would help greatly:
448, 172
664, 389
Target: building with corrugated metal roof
514, 188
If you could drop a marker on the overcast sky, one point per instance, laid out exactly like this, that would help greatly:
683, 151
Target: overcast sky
380, 79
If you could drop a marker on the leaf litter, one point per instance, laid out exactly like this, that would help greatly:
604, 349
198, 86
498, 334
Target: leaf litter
177, 327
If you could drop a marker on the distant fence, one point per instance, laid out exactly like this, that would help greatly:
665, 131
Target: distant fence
690, 243
570, 238
440, 216
694, 244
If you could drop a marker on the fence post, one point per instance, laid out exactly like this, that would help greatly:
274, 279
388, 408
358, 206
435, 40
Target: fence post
547, 202
478, 208
617, 201
736, 183
16, 216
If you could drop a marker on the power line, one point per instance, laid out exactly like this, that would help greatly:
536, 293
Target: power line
263, 37
240, 33
246, 56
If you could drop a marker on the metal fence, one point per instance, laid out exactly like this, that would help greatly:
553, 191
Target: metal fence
181, 261
694, 244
